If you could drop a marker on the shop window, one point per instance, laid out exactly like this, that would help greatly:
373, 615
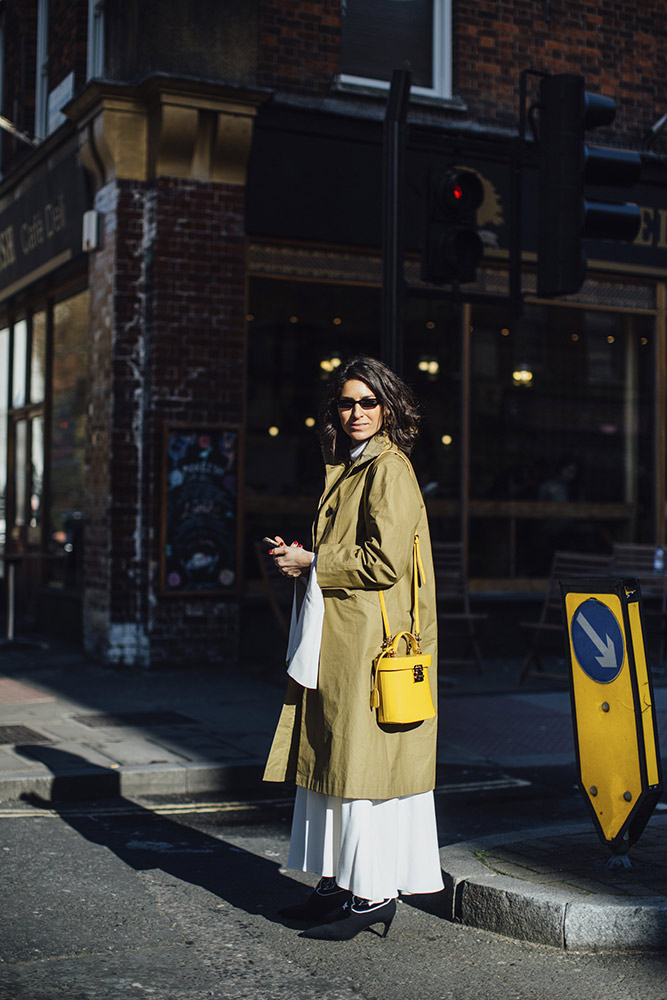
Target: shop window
560, 414
36, 478
379, 36
20, 363
68, 430
20, 467
298, 334
38, 357
95, 60
433, 368
41, 473
23, 466
4, 407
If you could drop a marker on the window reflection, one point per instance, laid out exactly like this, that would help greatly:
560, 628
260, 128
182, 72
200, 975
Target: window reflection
297, 336
20, 461
4, 400
38, 357
19, 367
68, 427
433, 369
37, 470
377, 37
560, 413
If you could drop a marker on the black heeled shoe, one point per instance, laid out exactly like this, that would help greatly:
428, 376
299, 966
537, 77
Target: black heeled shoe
325, 899
353, 917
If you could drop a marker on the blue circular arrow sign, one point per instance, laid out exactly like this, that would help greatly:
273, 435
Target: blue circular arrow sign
597, 640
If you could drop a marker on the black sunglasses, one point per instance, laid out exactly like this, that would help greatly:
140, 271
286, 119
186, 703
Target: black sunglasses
366, 403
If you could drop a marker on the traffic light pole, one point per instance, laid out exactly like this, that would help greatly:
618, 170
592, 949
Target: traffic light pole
393, 280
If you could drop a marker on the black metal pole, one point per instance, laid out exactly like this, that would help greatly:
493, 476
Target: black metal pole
516, 205
393, 284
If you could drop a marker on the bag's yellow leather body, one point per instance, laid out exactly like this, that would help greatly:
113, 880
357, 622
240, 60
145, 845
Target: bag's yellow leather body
402, 690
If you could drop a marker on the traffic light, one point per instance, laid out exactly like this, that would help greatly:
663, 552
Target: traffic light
566, 216
452, 246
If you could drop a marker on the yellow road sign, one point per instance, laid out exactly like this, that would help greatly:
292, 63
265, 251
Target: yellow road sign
613, 710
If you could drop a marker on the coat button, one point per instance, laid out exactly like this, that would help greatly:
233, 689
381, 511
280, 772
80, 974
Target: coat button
329, 512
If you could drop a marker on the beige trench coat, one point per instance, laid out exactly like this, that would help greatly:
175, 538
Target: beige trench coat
329, 739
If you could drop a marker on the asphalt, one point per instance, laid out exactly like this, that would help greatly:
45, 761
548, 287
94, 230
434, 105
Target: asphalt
71, 728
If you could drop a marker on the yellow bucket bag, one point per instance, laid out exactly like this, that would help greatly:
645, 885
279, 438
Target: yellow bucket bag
401, 690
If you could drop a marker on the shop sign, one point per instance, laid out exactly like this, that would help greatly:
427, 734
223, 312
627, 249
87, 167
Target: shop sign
41, 227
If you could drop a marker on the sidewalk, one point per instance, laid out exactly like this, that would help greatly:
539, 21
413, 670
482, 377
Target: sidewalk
72, 729
553, 886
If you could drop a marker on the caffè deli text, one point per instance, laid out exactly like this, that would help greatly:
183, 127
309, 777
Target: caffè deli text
31, 234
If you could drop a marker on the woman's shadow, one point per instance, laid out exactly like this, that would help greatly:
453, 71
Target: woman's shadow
143, 839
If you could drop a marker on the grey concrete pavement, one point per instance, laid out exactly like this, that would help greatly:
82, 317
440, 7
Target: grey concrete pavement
70, 728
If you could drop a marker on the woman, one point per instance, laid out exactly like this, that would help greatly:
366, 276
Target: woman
364, 816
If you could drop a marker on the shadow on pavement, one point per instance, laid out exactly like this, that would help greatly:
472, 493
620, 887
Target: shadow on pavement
144, 840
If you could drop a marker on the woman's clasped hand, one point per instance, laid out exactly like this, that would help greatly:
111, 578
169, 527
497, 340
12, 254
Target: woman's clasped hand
291, 560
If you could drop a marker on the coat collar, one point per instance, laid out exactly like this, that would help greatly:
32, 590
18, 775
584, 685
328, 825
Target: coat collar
376, 445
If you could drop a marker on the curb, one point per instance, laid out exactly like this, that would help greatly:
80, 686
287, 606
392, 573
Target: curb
479, 897
133, 781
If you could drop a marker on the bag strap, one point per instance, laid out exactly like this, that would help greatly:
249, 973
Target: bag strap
418, 577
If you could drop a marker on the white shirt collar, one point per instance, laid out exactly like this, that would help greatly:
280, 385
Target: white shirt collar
357, 450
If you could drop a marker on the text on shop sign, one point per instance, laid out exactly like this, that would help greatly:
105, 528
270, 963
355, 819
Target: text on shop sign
32, 234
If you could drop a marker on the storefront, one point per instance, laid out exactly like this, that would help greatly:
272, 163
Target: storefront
43, 378
542, 431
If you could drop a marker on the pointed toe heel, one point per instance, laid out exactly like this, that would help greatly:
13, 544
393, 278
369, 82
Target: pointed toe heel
353, 917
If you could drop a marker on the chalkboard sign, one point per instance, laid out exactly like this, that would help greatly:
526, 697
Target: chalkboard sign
200, 550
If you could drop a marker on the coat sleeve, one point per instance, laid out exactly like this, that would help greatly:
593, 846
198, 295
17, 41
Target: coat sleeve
389, 522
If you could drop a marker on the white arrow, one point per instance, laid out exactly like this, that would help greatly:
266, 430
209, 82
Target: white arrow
608, 659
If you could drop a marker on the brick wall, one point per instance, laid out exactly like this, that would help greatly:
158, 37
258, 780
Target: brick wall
299, 45
176, 354
618, 48
196, 371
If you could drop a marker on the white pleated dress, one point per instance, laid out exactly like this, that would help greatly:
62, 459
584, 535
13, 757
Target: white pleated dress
376, 848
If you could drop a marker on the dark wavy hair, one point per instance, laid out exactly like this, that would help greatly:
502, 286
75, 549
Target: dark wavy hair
400, 409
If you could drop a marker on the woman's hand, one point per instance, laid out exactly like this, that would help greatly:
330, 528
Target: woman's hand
292, 560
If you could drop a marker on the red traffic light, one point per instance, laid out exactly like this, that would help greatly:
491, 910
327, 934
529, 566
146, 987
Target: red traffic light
453, 247
460, 189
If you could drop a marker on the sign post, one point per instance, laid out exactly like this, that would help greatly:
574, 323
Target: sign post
613, 710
